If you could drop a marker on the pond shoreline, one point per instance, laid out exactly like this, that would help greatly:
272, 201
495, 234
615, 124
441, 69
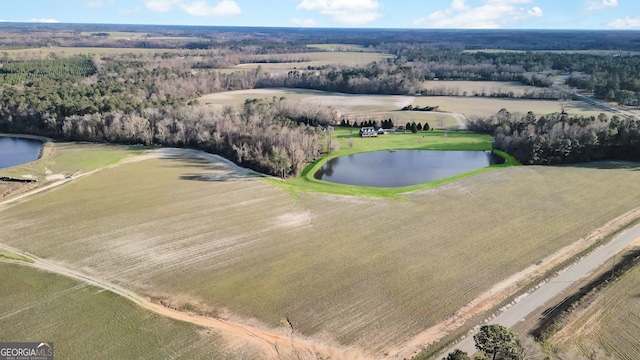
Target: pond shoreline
404, 167
43, 142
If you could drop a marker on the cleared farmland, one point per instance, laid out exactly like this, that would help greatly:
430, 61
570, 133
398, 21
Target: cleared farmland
354, 107
363, 272
345, 103
340, 47
84, 322
478, 106
379, 107
610, 325
479, 87
315, 59
588, 52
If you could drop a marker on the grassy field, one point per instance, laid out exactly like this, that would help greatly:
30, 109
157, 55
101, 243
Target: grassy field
610, 325
61, 159
367, 272
84, 322
423, 140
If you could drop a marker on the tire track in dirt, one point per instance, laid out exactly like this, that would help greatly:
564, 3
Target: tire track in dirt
281, 343
276, 344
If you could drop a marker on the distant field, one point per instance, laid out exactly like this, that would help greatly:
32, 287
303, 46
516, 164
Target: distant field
610, 325
471, 106
339, 47
378, 107
472, 87
354, 107
365, 272
345, 103
436, 120
74, 51
84, 322
140, 36
590, 52
321, 58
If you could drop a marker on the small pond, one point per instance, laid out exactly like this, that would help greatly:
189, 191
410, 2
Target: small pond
16, 151
403, 167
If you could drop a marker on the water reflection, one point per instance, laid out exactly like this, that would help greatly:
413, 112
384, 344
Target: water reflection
403, 167
15, 151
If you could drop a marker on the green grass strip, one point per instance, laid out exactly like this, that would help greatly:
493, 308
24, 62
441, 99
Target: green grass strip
351, 143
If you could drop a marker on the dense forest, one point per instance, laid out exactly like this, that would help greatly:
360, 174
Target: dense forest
560, 138
132, 100
43, 35
150, 97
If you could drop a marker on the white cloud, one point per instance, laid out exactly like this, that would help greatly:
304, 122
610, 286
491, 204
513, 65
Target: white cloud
349, 12
630, 22
196, 8
459, 5
492, 14
161, 5
593, 5
202, 8
42, 21
535, 12
94, 4
304, 22
126, 12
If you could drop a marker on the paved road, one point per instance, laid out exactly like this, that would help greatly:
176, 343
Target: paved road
560, 85
572, 275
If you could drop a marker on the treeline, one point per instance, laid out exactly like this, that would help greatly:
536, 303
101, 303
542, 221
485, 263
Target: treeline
613, 78
143, 99
561, 138
375, 78
418, 108
120, 84
55, 69
259, 136
608, 76
546, 94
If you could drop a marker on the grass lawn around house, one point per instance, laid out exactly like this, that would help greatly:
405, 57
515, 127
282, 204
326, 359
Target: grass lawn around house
422, 140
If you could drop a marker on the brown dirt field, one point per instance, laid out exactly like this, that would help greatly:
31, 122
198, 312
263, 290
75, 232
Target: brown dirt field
477, 106
480, 86
349, 272
605, 323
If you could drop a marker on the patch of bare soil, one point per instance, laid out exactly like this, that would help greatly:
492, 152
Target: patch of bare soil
508, 287
276, 343
283, 342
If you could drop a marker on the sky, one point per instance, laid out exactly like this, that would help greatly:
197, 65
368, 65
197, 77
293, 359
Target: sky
460, 14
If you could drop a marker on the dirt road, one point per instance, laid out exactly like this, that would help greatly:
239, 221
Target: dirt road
281, 343
570, 276
276, 344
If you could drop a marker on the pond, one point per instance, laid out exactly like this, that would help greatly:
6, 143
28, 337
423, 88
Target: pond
403, 167
16, 151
